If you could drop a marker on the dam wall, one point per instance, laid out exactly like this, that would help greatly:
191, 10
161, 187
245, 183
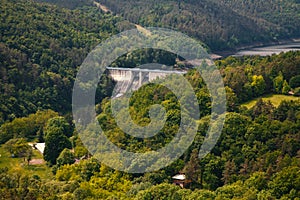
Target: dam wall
133, 78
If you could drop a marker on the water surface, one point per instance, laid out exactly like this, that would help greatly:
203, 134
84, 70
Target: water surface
269, 50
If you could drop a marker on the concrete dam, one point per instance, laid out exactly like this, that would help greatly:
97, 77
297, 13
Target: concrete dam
131, 79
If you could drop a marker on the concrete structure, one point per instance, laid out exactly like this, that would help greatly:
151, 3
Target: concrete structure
133, 78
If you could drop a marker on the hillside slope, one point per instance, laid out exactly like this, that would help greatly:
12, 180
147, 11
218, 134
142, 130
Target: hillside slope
41, 47
222, 24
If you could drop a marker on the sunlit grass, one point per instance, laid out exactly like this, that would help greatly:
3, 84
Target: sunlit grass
275, 99
19, 164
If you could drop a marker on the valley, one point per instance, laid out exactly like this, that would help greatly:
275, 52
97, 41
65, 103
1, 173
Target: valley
256, 155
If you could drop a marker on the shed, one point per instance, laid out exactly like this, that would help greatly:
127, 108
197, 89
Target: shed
180, 180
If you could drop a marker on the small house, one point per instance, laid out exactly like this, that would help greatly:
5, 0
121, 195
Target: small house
181, 180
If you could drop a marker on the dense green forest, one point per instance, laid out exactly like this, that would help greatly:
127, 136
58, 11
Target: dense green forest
220, 24
257, 156
70, 4
41, 48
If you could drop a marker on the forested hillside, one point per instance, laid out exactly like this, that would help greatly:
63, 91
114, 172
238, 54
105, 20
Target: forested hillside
220, 24
70, 4
256, 157
41, 47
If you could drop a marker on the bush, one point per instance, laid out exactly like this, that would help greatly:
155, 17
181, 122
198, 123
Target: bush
295, 81
297, 92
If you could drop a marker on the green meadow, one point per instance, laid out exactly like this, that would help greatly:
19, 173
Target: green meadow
21, 165
275, 99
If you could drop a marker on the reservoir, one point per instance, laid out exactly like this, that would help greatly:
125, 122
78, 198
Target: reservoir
269, 50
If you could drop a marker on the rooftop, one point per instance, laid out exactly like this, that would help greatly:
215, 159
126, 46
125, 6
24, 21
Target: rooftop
40, 147
179, 177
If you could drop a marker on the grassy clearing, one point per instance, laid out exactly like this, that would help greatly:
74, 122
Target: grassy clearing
18, 164
275, 99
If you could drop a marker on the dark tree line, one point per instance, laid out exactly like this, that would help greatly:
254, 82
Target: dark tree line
219, 24
41, 48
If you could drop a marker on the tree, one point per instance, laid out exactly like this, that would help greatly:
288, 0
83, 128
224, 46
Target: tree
55, 143
229, 172
81, 193
258, 85
287, 109
204, 102
59, 123
17, 147
232, 99
29, 156
192, 168
295, 81
212, 174
297, 92
65, 157
257, 180
278, 83
285, 181
285, 88
202, 195
161, 191
261, 107
235, 191
80, 151
26, 126
84, 170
